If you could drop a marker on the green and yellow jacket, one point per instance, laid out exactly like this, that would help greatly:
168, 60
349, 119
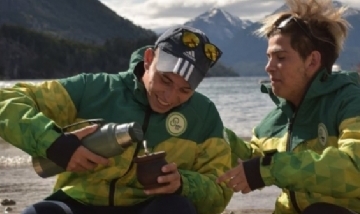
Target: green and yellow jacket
30, 117
312, 153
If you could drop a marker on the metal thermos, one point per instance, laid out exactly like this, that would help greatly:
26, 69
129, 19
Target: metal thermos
107, 141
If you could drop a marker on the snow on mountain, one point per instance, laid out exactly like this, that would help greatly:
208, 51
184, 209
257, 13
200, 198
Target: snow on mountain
218, 24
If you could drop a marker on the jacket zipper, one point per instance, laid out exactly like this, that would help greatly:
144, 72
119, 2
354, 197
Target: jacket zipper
289, 139
112, 185
288, 148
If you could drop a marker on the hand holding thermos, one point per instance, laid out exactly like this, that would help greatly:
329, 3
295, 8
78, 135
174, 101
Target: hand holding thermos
83, 159
98, 144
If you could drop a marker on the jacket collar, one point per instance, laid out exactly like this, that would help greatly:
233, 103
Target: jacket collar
323, 83
132, 77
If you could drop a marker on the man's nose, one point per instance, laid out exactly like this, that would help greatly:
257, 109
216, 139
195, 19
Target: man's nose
269, 67
169, 94
172, 95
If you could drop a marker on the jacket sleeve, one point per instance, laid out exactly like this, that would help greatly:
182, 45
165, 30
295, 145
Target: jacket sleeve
335, 172
214, 159
30, 115
240, 149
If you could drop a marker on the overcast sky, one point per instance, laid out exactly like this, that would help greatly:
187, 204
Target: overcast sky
154, 14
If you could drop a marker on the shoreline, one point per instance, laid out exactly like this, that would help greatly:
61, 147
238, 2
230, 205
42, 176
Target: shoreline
19, 182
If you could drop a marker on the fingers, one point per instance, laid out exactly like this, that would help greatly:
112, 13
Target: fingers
234, 181
88, 165
83, 160
94, 158
81, 133
246, 190
229, 174
172, 179
171, 167
173, 182
243, 188
237, 183
237, 188
172, 174
160, 190
80, 166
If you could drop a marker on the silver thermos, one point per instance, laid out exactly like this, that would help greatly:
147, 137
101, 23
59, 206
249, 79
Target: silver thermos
108, 140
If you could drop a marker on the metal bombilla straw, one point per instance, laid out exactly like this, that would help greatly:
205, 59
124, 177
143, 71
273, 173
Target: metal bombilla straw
145, 147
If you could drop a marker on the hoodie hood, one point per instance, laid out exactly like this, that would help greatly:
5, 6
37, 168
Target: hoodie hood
137, 56
133, 81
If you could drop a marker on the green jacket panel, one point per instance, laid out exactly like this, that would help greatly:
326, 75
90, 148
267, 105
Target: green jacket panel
240, 149
30, 115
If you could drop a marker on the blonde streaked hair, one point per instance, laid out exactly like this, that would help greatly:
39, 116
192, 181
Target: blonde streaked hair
324, 22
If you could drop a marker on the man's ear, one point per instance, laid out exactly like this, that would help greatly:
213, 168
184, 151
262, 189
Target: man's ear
148, 58
313, 62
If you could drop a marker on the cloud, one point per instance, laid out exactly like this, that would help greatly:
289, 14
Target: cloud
154, 14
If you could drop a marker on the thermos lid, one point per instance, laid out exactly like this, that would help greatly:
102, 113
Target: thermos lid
136, 132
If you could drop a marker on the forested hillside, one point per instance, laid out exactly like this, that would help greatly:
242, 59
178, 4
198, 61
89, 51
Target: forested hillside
25, 54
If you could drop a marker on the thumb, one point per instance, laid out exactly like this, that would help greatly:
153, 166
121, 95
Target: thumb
240, 161
81, 133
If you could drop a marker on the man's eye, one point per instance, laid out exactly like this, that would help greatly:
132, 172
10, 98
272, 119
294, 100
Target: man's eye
186, 91
165, 80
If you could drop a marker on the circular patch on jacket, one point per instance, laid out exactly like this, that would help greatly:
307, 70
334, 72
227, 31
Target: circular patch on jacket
176, 123
322, 134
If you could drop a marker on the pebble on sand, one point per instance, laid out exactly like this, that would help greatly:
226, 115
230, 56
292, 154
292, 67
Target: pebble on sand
7, 202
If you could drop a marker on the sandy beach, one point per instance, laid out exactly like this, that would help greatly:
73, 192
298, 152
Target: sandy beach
20, 183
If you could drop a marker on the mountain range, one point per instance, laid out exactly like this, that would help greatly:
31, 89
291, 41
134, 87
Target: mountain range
92, 22
245, 52
51, 39
80, 20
